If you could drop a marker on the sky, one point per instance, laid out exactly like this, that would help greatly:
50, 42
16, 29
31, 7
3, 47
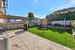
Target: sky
40, 8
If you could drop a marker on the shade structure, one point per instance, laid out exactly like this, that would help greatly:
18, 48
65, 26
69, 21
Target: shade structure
11, 17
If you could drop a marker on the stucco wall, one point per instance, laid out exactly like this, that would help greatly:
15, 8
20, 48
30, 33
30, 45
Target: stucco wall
3, 44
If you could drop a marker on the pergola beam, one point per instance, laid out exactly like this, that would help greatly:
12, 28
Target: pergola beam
11, 17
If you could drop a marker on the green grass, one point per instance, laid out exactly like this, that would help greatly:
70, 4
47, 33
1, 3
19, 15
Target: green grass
61, 36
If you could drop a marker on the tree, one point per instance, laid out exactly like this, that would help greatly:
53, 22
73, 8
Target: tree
31, 15
59, 16
30, 19
73, 15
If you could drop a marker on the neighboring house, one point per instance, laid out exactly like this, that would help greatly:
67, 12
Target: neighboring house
49, 19
43, 23
3, 5
16, 21
61, 20
3, 39
67, 22
9, 21
37, 22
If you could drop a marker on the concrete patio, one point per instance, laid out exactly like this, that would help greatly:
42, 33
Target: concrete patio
29, 41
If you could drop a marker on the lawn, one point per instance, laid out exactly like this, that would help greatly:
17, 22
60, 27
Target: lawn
61, 36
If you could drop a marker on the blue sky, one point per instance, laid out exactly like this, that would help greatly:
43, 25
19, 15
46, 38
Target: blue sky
40, 8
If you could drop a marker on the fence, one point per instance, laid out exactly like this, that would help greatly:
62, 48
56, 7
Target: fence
12, 25
73, 23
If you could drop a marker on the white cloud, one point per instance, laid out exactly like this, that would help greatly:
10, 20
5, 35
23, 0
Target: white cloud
72, 1
40, 16
67, 5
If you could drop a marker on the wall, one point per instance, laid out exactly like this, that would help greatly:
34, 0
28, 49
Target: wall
73, 23
61, 22
3, 20
3, 44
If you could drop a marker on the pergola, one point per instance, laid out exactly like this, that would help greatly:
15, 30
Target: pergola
11, 17
14, 17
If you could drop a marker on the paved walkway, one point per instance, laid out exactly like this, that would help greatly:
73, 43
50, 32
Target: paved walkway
29, 41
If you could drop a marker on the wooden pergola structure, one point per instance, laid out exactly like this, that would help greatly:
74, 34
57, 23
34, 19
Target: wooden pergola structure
9, 25
11, 17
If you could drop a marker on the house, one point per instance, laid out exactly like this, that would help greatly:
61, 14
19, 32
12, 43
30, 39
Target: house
62, 22
37, 22
43, 23
3, 6
59, 22
3, 39
60, 17
9, 21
